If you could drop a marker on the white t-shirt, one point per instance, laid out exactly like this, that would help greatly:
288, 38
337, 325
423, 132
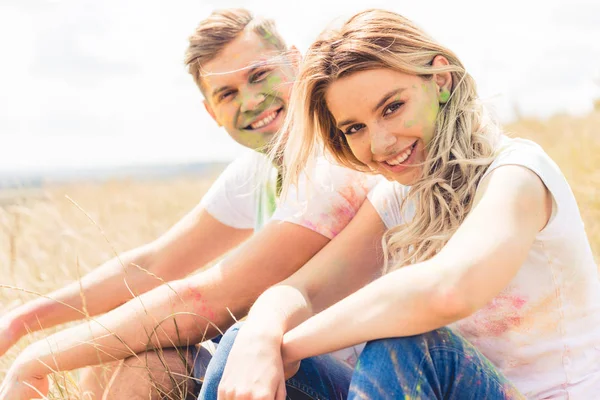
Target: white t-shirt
543, 330
244, 197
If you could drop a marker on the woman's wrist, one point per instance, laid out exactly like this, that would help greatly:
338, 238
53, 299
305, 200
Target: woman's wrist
289, 350
262, 331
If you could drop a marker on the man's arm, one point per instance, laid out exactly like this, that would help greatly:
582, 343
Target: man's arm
195, 240
181, 312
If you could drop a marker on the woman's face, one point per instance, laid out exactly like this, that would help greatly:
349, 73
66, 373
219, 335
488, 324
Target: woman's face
388, 118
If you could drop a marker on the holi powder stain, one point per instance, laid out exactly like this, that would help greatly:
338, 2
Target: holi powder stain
349, 199
502, 314
199, 305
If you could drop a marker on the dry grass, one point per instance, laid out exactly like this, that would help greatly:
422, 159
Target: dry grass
44, 236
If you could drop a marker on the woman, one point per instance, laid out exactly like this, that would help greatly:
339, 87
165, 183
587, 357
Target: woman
490, 288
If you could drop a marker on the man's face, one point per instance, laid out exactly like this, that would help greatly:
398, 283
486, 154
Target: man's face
247, 89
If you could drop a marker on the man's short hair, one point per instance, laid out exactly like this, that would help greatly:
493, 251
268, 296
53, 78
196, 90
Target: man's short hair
220, 29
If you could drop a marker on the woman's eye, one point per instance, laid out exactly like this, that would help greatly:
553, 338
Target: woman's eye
392, 107
353, 129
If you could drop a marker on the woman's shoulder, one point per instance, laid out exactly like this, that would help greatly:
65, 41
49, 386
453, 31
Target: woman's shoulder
528, 154
518, 150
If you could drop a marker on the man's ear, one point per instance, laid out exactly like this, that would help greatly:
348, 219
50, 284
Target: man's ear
295, 57
211, 112
443, 80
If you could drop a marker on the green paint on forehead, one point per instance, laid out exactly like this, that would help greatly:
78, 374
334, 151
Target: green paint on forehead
268, 36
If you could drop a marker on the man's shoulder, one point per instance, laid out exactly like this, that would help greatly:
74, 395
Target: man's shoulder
328, 173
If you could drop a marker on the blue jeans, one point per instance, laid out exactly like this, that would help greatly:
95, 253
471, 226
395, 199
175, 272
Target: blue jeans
319, 378
435, 365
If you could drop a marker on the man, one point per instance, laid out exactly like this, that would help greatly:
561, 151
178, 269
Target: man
245, 73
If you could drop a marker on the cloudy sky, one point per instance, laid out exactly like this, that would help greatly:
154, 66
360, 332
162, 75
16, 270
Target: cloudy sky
94, 83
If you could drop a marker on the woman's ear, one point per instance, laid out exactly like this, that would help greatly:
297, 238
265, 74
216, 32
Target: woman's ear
443, 80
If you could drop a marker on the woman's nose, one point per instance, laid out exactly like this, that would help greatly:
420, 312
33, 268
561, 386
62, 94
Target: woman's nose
382, 142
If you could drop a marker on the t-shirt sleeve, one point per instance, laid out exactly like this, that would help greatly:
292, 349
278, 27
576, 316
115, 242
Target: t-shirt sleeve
530, 155
327, 201
386, 197
232, 197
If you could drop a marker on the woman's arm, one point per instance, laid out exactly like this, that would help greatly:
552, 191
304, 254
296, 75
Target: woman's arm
481, 258
351, 260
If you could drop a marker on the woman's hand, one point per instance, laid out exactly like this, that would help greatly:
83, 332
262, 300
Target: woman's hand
254, 369
290, 369
21, 383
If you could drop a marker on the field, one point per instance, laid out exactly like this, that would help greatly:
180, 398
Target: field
48, 239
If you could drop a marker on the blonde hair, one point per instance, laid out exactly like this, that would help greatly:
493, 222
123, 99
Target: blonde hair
220, 29
461, 149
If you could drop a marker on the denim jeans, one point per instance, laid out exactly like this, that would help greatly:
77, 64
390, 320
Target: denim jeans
319, 378
435, 365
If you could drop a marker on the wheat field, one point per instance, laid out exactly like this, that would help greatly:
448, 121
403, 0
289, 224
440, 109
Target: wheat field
51, 237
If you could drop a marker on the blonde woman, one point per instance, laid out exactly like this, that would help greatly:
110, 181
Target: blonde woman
490, 289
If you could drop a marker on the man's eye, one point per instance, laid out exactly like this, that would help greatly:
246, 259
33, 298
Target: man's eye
259, 76
353, 129
225, 95
392, 107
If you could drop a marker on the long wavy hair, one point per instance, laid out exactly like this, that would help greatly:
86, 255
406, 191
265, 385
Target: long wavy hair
462, 147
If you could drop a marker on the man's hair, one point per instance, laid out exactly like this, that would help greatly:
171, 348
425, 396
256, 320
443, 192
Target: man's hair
220, 29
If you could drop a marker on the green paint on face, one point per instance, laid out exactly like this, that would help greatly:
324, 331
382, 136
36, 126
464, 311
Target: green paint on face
272, 82
428, 112
270, 38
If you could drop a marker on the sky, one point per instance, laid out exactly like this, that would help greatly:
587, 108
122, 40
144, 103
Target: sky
102, 83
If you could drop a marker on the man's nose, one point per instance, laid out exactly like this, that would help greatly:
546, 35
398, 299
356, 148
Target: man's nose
251, 100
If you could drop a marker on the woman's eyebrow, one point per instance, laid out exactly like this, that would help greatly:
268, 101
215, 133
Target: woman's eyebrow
386, 97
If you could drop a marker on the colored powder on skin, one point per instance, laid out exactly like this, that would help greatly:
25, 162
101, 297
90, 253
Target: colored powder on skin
270, 38
272, 82
410, 124
199, 305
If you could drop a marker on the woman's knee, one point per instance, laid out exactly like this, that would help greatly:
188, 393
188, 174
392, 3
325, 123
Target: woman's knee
409, 347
